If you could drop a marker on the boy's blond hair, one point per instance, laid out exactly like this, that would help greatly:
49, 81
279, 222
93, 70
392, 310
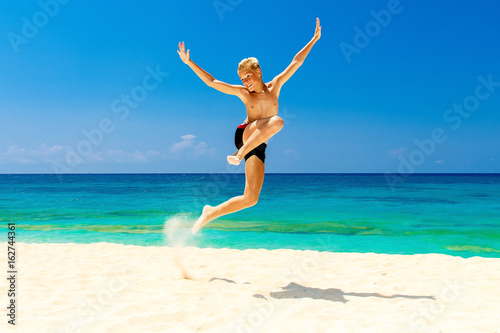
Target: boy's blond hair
249, 63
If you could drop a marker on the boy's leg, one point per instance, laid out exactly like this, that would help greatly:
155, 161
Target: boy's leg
255, 134
254, 178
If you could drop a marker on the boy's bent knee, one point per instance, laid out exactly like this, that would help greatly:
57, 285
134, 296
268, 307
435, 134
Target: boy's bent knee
251, 200
277, 122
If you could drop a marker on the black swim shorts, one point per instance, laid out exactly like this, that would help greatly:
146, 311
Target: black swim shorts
259, 151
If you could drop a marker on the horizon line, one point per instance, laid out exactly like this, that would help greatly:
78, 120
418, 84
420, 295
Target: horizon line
242, 173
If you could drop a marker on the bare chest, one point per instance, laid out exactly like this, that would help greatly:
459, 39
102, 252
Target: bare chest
262, 106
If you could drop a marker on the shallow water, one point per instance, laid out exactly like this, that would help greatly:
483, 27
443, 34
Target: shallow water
439, 213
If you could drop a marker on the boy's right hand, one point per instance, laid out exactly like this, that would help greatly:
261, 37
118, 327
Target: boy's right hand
182, 53
317, 32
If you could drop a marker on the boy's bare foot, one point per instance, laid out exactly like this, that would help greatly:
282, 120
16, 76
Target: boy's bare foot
233, 159
203, 219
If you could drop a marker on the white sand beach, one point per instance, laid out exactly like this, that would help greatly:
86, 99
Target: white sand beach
107, 287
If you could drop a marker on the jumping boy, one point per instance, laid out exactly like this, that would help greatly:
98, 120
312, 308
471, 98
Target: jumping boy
262, 122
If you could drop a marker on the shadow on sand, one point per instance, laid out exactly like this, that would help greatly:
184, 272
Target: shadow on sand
294, 291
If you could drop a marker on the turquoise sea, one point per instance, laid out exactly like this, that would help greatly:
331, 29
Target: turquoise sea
456, 214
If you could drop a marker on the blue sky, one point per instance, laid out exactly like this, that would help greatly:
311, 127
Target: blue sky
392, 86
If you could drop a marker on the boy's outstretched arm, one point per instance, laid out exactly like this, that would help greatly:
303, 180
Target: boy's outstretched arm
206, 77
299, 58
